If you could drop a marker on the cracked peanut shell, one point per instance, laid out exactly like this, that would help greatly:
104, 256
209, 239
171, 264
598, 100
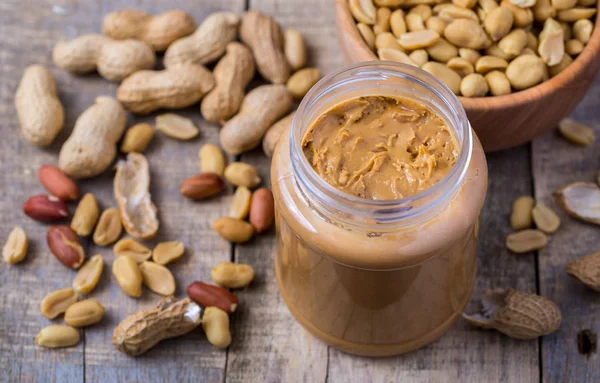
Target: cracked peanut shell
131, 186
142, 330
580, 200
587, 270
517, 314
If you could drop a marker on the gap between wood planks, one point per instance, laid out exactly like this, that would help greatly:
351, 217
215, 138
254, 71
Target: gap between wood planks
537, 266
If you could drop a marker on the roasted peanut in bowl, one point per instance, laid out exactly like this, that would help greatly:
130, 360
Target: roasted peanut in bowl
508, 60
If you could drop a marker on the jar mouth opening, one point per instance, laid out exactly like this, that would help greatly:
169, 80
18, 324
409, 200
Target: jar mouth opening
447, 104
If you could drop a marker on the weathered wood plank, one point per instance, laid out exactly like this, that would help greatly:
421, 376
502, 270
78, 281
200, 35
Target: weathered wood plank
495, 357
555, 164
465, 354
33, 31
269, 345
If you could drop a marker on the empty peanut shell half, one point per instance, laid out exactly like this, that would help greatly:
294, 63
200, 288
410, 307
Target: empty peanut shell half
517, 314
581, 200
132, 184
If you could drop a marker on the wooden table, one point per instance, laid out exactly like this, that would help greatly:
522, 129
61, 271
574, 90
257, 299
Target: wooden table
268, 345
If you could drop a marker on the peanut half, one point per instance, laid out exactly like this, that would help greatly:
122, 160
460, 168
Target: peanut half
86, 216
233, 229
167, 252
242, 174
521, 216
178, 127
137, 138
128, 276
240, 203
545, 219
57, 302
232, 275
215, 323
129, 247
84, 313
15, 248
56, 336
109, 227
526, 240
576, 132
211, 159
88, 275
157, 278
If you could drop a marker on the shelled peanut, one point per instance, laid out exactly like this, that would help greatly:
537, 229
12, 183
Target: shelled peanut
505, 46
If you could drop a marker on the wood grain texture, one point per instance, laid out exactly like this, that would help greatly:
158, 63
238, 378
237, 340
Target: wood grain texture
556, 163
269, 345
34, 29
504, 121
265, 354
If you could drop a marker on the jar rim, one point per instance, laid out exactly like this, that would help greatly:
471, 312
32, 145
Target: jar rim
410, 208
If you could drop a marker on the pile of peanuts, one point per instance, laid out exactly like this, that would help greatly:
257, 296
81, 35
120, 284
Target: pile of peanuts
478, 47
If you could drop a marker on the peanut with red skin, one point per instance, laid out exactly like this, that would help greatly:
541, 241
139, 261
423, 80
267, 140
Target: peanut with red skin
45, 208
208, 295
65, 246
58, 183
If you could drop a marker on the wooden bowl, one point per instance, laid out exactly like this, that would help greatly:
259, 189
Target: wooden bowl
502, 121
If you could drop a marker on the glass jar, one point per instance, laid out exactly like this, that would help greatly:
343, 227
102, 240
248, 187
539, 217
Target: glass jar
375, 277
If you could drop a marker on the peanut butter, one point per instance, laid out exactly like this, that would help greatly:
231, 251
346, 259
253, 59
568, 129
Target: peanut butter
375, 286
380, 147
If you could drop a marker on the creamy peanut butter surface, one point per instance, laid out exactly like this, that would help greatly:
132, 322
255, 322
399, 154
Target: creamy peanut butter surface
380, 147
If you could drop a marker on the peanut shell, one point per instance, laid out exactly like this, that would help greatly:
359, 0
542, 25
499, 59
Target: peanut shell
131, 187
517, 314
580, 200
587, 270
